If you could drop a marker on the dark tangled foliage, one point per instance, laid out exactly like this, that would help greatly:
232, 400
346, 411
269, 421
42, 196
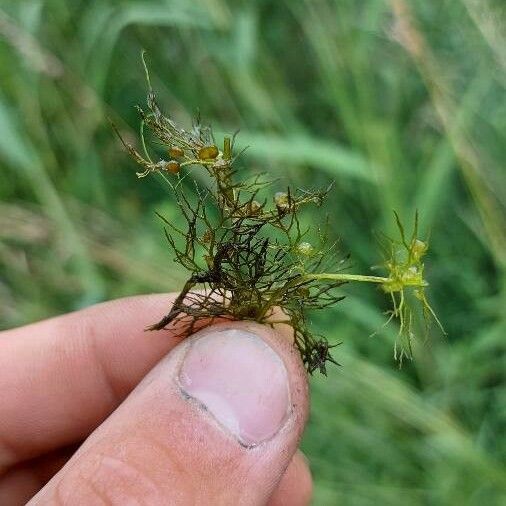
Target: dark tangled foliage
246, 256
249, 256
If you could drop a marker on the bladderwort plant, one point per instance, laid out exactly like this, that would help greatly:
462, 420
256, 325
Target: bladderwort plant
248, 255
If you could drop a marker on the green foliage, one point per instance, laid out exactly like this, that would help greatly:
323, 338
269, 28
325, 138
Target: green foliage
253, 260
323, 90
248, 257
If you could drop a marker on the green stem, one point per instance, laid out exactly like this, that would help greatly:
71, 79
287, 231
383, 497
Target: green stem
347, 277
365, 279
227, 149
197, 162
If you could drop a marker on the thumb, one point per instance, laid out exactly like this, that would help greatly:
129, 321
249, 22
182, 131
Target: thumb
217, 421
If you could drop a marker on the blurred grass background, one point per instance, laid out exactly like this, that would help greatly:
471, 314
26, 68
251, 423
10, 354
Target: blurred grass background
402, 103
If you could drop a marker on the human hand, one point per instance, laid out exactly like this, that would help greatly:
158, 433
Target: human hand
212, 419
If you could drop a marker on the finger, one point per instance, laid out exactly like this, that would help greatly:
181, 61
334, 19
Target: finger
296, 485
217, 421
23, 481
62, 377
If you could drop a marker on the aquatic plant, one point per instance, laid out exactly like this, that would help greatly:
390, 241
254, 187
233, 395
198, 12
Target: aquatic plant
247, 253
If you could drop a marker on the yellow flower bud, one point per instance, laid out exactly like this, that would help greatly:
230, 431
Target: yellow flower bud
418, 249
305, 248
281, 200
255, 207
175, 152
173, 166
208, 152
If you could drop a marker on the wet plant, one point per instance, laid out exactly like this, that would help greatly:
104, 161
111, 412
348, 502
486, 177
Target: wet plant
247, 253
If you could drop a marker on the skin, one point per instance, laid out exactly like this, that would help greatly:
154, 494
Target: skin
86, 418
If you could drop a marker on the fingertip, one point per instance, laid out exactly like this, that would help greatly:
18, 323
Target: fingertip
296, 485
249, 377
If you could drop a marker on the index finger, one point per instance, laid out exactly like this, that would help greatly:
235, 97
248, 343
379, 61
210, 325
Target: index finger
60, 378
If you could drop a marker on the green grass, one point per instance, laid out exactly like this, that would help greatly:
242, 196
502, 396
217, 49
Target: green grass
402, 112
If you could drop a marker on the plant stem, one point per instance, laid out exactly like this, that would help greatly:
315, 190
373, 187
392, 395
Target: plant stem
347, 277
361, 278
